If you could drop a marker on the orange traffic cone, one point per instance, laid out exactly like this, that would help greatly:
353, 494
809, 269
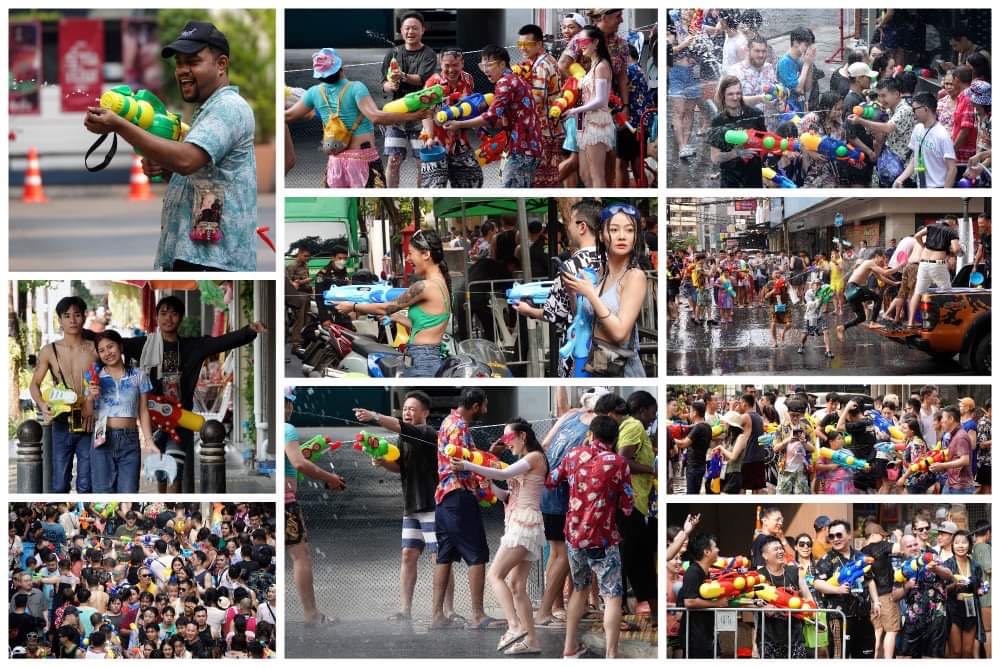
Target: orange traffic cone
33, 192
138, 182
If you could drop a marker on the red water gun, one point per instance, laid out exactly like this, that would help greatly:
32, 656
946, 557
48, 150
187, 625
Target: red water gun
90, 376
619, 113
492, 147
779, 284
476, 456
679, 431
933, 456
784, 598
729, 585
570, 93
167, 415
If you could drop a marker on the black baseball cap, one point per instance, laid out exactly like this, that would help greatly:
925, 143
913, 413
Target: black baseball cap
195, 36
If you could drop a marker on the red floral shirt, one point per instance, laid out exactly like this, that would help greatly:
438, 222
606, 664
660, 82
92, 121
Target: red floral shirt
453, 431
466, 86
965, 118
599, 483
513, 110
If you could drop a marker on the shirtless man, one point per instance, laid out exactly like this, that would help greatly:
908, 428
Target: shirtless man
938, 241
857, 292
907, 282
67, 359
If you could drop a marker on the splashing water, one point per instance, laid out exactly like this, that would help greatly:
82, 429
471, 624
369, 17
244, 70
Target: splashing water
379, 37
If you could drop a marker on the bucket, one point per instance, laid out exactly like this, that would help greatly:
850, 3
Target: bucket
433, 167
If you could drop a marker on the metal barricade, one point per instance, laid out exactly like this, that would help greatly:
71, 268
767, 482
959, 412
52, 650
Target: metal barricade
730, 623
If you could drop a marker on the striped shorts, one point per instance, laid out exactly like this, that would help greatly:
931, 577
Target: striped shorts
418, 531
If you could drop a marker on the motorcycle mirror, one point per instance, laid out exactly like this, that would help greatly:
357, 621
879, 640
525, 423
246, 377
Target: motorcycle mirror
363, 245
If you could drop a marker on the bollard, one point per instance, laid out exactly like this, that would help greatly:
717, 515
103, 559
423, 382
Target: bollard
29, 457
213, 457
47, 457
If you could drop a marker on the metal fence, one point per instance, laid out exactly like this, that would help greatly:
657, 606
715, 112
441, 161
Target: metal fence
354, 537
727, 621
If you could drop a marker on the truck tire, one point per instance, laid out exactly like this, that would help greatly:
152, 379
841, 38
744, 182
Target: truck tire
981, 361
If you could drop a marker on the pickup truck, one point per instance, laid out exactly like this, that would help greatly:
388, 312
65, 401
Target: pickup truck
954, 321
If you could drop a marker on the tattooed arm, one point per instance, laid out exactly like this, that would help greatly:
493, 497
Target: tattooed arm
412, 296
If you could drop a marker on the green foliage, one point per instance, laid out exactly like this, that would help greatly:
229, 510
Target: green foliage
678, 243
190, 327
81, 291
246, 300
251, 35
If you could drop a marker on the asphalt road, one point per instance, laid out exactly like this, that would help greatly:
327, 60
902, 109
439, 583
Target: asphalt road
744, 347
100, 232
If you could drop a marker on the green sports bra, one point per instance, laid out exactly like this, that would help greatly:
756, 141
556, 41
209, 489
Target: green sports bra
422, 321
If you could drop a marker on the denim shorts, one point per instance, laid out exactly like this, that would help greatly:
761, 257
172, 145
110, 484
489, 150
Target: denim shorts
115, 464
682, 82
518, 171
607, 566
424, 361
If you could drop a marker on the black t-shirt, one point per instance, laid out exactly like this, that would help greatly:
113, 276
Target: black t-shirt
939, 237
506, 243
737, 173
539, 261
701, 439
423, 61
418, 467
882, 566
776, 628
858, 601
852, 131
702, 623
20, 625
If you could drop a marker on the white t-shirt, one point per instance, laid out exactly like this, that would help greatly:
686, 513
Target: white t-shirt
215, 619
734, 50
935, 148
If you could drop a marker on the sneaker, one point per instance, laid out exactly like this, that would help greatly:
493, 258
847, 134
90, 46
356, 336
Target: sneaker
800, 350
829, 355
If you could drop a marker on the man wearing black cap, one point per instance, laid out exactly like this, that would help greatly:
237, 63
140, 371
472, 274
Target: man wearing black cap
212, 172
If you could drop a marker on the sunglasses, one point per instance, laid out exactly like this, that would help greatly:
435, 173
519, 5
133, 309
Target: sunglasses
837, 536
523, 43
922, 529
804, 544
614, 209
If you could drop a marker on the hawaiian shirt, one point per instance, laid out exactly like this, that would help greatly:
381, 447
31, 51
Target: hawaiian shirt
984, 433
858, 601
983, 140
617, 47
466, 86
638, 97
599, 483
925, 601
545, 90
752, 80
224, 190
964, 119
514, 110
453, 431
120, 398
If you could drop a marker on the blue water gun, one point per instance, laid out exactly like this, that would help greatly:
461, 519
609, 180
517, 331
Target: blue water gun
374, 293
777, 178
883, 424
535, 293
851, 571
830, 148
580, 334
713, 473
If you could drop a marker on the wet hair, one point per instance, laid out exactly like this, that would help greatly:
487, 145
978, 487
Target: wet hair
171, 302
725, 82
533, 30
605, 429
420, 396
638, 247
914, 425
640, 400
494, 52
611, 404
699, 408
801, 34
589, 210
430, 242
980, 64
339, 250
67, 302
521, 425
596, 34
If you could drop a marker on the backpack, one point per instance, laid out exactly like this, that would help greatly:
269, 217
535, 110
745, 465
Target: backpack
336, 136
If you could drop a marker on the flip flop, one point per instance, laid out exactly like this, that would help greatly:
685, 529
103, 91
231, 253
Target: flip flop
552, 622
324, 620
521, 648
488, 623
457, 619
399, 617
581, 650
559, 614
511, 637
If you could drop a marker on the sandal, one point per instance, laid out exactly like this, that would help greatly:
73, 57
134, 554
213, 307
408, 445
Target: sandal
581, 651
559, 614
324, 620
510, 637
521, 648
399, 617
551, 622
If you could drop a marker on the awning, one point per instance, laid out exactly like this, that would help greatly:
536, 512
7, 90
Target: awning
457, 207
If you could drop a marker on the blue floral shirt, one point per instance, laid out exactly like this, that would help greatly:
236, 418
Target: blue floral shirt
121, 398
223, 191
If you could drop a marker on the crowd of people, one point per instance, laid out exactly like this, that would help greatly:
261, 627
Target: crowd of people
923, 589
595, 141
833, 444
587, 490
142, 580
866, 284
875, 125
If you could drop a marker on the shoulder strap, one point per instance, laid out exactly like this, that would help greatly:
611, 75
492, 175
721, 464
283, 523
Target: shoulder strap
60, 379
340, 101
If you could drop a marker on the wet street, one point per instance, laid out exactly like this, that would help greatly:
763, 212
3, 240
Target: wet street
744, 347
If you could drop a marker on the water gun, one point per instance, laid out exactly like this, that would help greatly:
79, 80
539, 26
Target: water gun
778, 178
719, 428
60, 399
315, 447
890, 448
851, 571
727, 286
393, 73
580, 333
485, 495
474, 456
167, 415
570, 93
522, 70
830, 148
784, 598
779, 284
847, 438
469, 106
160, 467
376, 446
792, 117
144, 109
104, 510
938, 455
619, 114
913, 568
374, 293
843, 458
679, 431
427, 98
726, 563
824, 294
883, 424
765, 143
491, 147
293, 95
535, 293
870, 112
714, 473
766, 440
728, 585
774, 92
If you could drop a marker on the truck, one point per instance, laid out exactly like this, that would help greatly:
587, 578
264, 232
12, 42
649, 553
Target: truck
323, 223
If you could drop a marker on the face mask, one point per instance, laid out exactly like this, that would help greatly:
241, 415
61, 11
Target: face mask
340, 265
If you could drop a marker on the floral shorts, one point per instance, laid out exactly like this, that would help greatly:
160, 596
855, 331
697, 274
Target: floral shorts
518, 171
604, 562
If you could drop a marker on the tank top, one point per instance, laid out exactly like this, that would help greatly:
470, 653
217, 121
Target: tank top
422, 320
611, 297
571, 434
526, 492
754, 452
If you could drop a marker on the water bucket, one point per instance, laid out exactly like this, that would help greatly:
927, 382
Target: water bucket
433, 167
